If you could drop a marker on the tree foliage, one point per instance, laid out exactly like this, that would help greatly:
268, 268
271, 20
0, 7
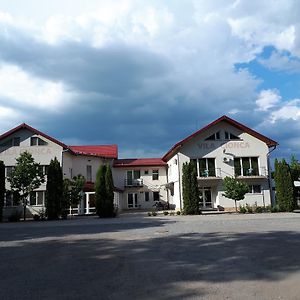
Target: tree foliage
234, 189
54, 190
2, 188
284, 186
72, 191
104, 192
25, 177
190, 189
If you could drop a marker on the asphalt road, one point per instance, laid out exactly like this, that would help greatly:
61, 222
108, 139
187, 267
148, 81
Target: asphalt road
139, 257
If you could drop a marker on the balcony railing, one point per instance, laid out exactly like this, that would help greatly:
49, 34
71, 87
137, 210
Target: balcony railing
251, 172
134, 182
209, 173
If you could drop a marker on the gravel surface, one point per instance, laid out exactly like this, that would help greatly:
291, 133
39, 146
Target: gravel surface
164, 257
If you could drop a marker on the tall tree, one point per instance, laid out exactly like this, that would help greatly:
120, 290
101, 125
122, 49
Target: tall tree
25, 177
100, 191
284, 186
109, 188
190, 189
2, 188
234, 189
104, 192
72, 192
54, 190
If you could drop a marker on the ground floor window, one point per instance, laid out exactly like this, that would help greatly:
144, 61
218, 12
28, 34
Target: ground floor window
37, 198
132, 201
255, 189
11, 199
205, 197
146, 196
155, 196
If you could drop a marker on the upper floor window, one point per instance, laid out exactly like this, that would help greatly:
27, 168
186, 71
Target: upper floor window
36, 141
133, 178
44, 169
155, 174
213, 137
246, 166
11, 142
206, 167
230, 136
88, 173
146, 172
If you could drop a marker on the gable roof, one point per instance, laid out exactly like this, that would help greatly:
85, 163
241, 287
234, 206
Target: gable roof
108, 151
139, 162
269, 142
25, 126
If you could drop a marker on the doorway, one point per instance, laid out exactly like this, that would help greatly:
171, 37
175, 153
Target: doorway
132, 201
205, 197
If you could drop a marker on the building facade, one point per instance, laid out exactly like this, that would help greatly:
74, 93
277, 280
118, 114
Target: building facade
222, 148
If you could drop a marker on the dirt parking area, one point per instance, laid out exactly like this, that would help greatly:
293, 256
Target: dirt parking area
164, 257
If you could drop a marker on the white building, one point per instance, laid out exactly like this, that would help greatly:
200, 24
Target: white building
222, 148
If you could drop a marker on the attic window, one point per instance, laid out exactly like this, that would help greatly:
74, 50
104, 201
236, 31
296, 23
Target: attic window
36, 141
230, 136
213, 137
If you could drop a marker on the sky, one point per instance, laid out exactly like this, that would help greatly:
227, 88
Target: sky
146, 74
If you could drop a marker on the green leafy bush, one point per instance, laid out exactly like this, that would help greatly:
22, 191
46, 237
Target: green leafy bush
242, 209
178, 213
165, 213
249, 208
154, 213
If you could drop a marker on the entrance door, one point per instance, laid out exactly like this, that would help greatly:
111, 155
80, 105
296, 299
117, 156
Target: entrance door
132, 200
205, 197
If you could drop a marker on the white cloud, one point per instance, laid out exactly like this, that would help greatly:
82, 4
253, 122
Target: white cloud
23, 89
281, 62
288, 110
268, 99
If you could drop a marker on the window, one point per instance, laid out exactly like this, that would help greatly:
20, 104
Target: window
16, 141
156, 196
36, 141
36, 198
155, 175
146, 172
132, 201
205, 167
146, 196
9, 171
132, 178
44, 169
88, 173
246, 166
215, 136
230, 136
255, 189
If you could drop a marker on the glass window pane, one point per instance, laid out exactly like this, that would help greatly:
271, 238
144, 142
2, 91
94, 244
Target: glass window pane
155, 196
32, 198
136, 174
155, 175
237, 167
202, 167
211, 167
257, 189
246, 166
254, 166
40, 198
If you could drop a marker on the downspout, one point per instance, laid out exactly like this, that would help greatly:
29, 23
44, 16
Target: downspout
62, 160
270, 177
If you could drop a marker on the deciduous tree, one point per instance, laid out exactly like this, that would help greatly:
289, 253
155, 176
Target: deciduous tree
234, 189
25, 177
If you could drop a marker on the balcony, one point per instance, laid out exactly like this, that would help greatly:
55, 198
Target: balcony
251, 173
133, 182
209, 174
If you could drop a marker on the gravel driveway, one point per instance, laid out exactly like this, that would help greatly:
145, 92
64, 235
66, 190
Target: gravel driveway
139, 257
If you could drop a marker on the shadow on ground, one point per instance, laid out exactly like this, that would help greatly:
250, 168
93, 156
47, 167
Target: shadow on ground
161, 267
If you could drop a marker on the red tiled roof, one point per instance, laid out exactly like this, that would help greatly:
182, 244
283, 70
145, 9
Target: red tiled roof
108, 151
269, 142
25, 126
139, 162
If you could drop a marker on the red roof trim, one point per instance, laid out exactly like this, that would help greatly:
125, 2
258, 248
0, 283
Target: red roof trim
269, 142
25, 126
139, 162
